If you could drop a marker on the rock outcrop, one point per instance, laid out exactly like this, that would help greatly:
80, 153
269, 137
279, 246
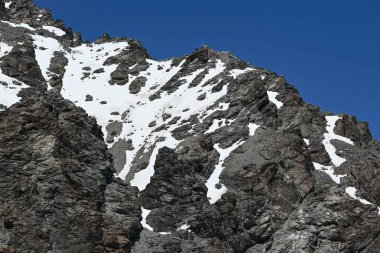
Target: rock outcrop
58, 189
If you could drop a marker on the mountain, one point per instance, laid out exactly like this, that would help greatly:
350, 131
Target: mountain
105, 149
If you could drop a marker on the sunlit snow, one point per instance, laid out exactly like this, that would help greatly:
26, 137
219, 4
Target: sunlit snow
4, 48
236, 72
55, 30
9, 90
184, 227
7, 4
144, 214
351, 191
272, 97
21, 25
329, 136
252, 128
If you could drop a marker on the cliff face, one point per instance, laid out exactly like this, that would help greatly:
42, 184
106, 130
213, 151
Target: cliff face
199, 153
56, 175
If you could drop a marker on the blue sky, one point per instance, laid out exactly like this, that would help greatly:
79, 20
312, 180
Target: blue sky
329, 50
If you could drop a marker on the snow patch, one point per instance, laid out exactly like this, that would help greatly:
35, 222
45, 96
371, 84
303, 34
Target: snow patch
55, 30
252, 128
237, 72
7, 4
184, 227
75, 87
272, 97
9, 90
4, 49
329, 136
307, 141
144, 214
351, 191
20, 25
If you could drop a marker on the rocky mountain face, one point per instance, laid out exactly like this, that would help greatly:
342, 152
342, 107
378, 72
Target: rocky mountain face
104, 149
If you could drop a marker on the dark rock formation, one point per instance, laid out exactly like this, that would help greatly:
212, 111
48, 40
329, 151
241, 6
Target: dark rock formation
3, 11
58, 190
21, 64
57, 69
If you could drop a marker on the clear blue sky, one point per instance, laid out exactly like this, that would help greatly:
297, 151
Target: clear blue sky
329, 50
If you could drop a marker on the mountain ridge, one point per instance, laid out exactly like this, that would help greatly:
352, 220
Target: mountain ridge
216, 155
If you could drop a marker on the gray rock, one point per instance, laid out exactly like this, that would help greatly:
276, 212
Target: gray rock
98, 71
137, 84
57, 182
114, 130
89, 98
21, 64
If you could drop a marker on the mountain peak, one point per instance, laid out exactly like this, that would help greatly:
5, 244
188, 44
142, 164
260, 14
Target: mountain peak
105, 149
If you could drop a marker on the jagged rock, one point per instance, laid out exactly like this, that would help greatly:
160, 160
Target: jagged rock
114, 130
137, 84
120, 75
104, 38
58, 188
57, 66
201, 97
21, 64
118, 152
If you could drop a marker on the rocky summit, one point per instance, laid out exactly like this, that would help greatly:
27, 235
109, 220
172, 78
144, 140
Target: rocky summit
105, 149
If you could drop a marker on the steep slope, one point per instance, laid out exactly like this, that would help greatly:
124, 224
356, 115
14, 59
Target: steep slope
216, 154
58, 194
